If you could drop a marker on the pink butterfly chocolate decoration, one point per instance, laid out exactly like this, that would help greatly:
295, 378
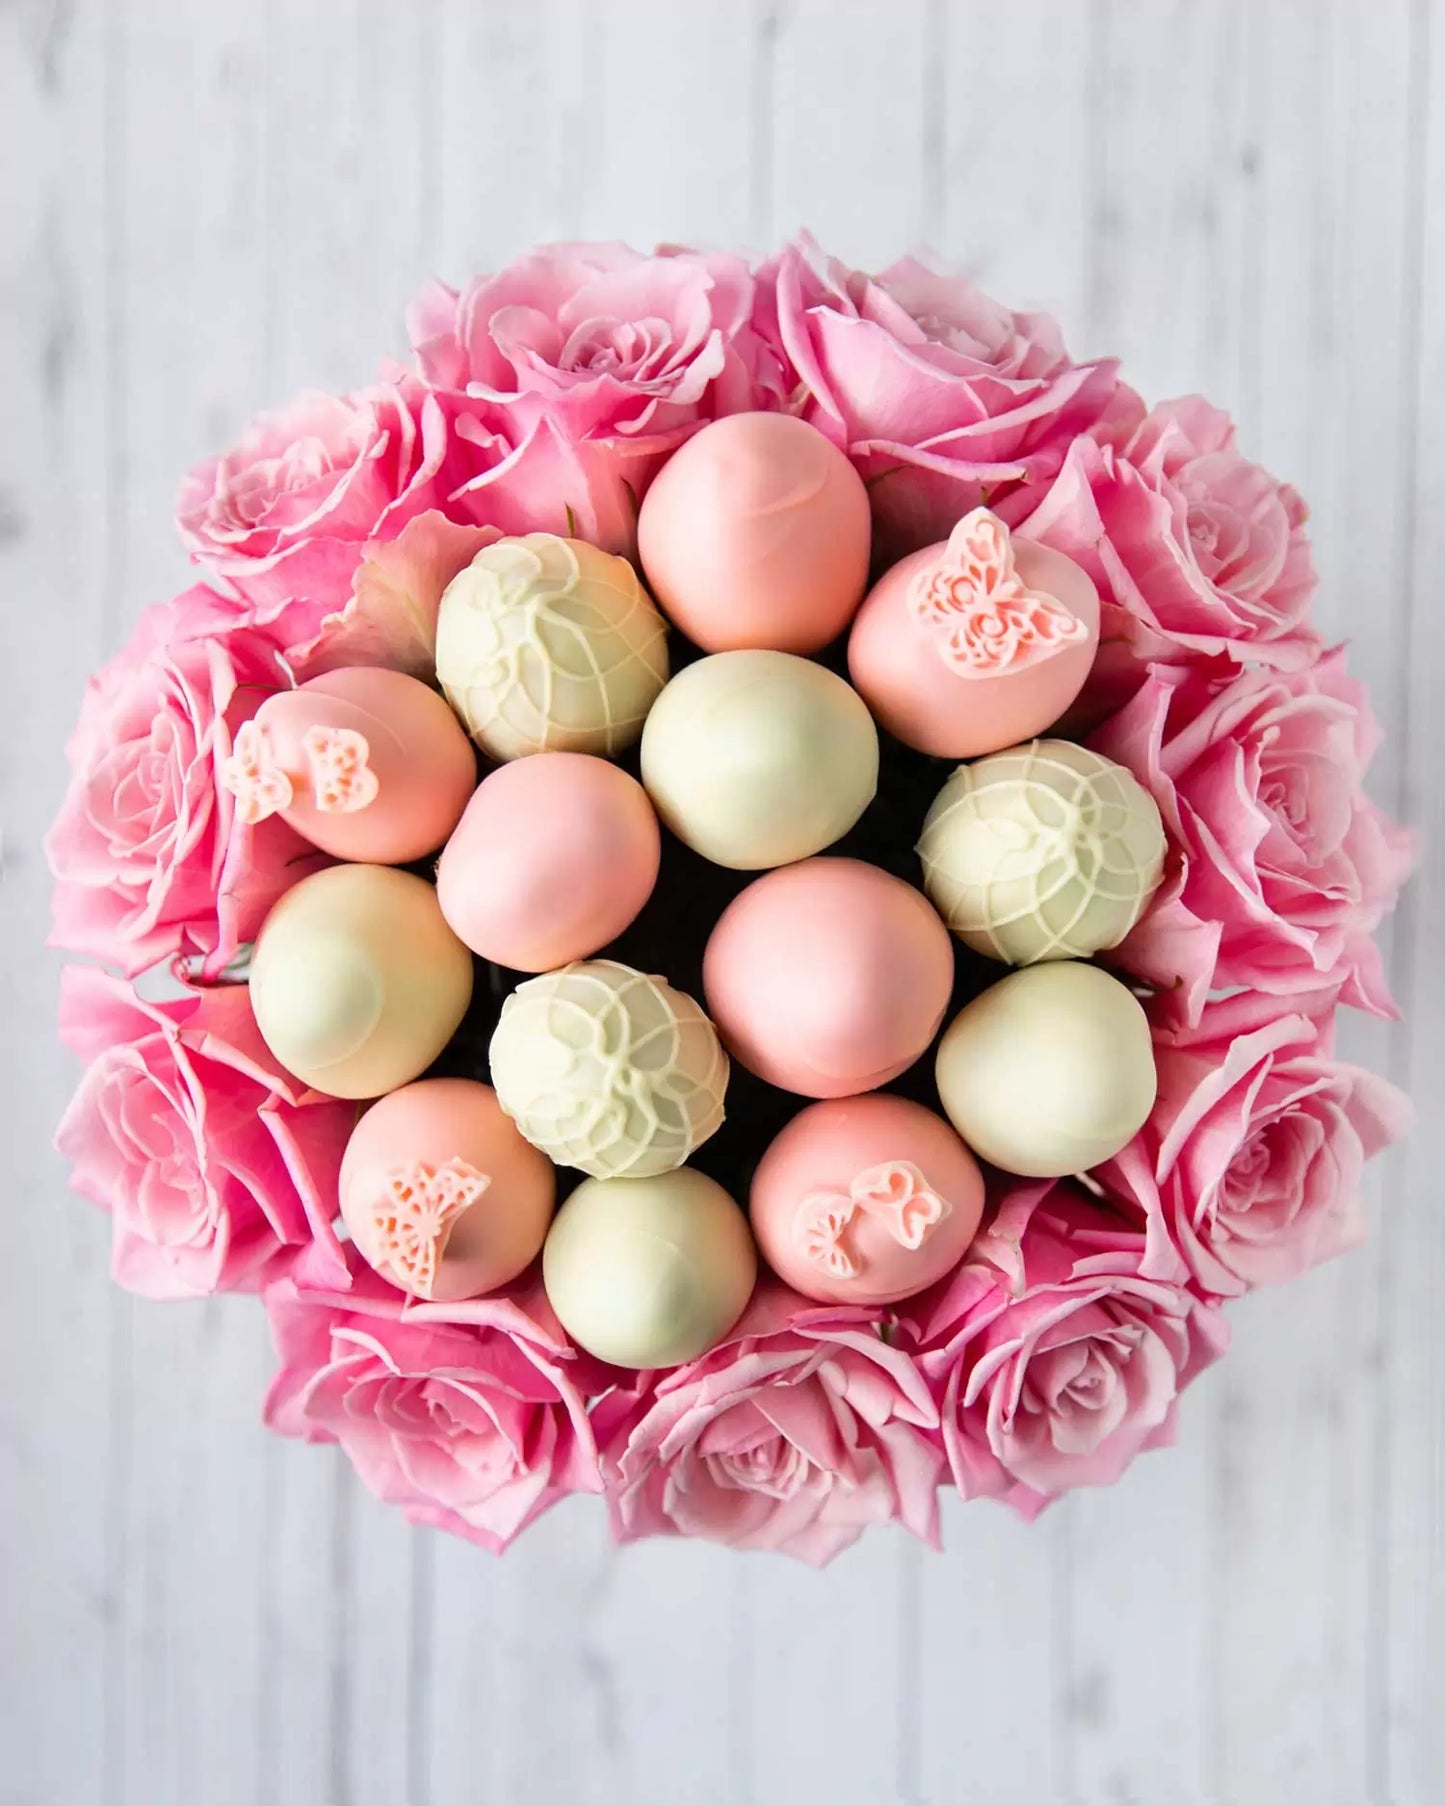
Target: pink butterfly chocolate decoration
341, 779
414, 1220
897, 1194
253, 776
368, 764
984, 617
865, 1200
977, 643
442, 1194
823, 1221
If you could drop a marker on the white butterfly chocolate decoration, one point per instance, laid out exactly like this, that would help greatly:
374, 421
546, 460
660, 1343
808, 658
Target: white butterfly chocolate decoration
985, 618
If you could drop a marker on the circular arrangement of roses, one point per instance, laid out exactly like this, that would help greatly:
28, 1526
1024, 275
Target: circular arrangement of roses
546, 398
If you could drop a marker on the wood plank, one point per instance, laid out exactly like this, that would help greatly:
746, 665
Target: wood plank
852, 151
1014, 207
1326, 249
1407, 1642
511, 1637
512, 149
673, 120
1167, 176
831, 1700
350, 207
1164, 237
188, 1476
59, 1413
304, 1712
990, 1689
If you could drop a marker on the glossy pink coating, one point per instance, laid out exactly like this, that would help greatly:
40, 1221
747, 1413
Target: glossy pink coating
369, 764
553, 858
441, 1192
865, 1200
828, 977
756, 534
958, 660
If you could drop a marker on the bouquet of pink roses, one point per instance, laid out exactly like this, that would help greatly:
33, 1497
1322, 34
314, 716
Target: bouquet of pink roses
546, 400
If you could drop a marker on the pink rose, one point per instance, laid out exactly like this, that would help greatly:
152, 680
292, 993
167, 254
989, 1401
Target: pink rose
1248, 1170
287, 511
794, 1434
943, 399
387, 615
529, 474
469, 1416
148, 852
1280, 866
1195, 550
1054, 1359
213, 1163
571, 374
615, 343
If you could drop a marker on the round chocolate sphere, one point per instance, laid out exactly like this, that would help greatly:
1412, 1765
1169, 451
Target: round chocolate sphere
356, 981
756, 759
368, 764
829, 977
649, 1272
865, 1200
441, 1193
1050, 1071
553, 858
608, 1070
1046, 851
548, 643
756, 533
976, 643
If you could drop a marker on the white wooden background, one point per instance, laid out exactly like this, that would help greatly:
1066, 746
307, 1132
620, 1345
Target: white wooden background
207, 203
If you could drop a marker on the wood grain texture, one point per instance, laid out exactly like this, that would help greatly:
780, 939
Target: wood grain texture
208, 208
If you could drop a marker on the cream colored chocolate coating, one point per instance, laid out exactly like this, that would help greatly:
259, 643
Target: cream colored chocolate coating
1045, 851
608, 1070
544, 642
1050, 1071
758, 759
356, 981
649, 1272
